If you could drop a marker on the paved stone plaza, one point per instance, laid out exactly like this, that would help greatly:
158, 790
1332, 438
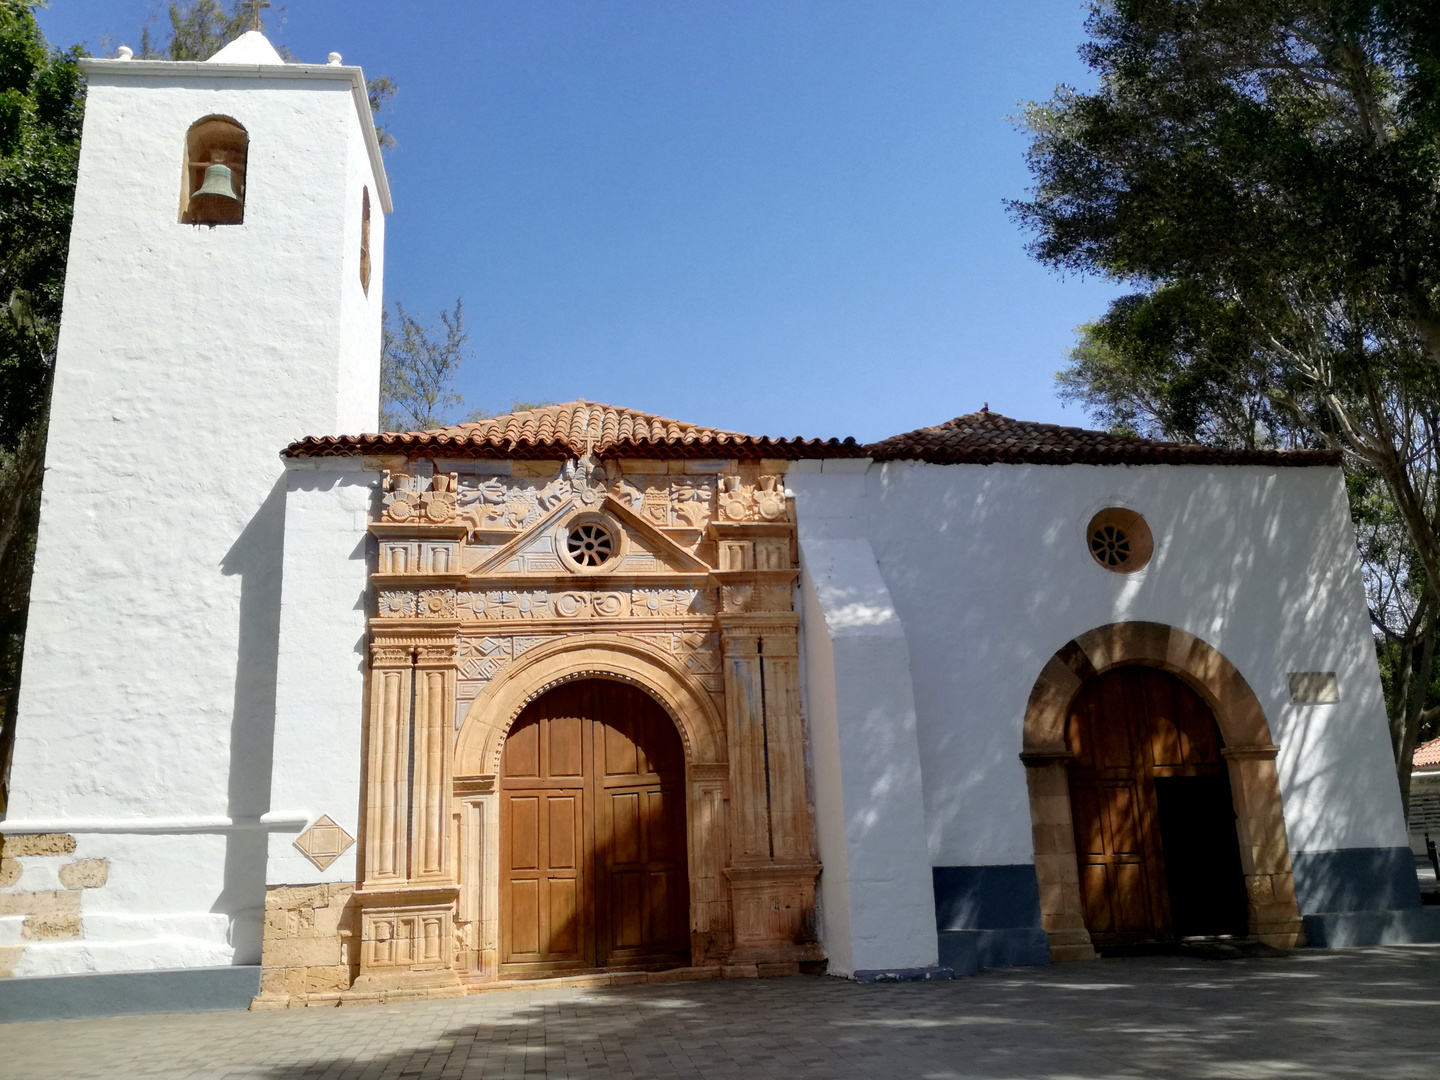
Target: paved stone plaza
1372, 1013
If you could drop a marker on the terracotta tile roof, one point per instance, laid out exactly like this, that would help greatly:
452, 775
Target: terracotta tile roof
987, 438
983, 438
1428, 756
571, 430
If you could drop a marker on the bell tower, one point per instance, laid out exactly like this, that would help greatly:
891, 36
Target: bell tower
223, 299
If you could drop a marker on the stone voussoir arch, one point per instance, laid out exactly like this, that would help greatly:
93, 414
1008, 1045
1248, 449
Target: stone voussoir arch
481, 738
1249, 752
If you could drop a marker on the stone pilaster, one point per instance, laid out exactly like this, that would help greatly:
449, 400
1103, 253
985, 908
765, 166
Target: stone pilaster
1057, 869
1264, 850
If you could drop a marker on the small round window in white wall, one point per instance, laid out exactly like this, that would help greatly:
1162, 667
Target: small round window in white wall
590, 544
1119, 540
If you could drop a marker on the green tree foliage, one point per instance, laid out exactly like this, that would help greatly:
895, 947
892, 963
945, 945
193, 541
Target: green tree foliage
198, 30
418, 369
42, 99
1266, 174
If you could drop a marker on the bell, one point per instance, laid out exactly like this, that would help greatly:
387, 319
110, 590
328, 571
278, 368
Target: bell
220, 181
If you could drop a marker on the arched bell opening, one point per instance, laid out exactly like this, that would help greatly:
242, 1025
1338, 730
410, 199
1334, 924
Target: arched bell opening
213, 179
593, 854
1155, 837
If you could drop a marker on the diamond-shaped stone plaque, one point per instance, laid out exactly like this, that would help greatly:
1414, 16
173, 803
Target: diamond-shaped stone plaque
324, 842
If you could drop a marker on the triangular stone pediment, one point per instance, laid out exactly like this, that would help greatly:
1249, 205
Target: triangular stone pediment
644, 548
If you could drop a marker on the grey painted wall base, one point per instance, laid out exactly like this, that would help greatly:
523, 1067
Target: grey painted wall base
989, 917
1406, 926
969, 951
1355, 879
127, 993
929, 974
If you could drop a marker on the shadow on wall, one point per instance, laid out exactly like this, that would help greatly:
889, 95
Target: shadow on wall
257, 558
990, 579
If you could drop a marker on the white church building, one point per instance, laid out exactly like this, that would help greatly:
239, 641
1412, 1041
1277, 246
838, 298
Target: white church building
313, 716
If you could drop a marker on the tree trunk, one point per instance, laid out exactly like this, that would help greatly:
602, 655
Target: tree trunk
1414, 708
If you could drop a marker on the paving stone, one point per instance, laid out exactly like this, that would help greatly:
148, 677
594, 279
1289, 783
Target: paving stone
1361, 1013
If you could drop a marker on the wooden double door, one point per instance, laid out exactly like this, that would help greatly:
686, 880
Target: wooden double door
592, 834
1154, 820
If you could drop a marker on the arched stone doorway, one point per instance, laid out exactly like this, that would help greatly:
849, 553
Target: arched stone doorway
1155, 836
593, 870
1248, 752
480, 759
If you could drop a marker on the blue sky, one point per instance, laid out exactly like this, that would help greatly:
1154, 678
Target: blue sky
775, 216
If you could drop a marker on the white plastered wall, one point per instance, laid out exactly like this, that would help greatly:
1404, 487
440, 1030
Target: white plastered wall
188, 358
320, 684
989, 574
877, 902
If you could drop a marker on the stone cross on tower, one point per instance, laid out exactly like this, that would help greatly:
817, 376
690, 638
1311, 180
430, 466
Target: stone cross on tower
258, 6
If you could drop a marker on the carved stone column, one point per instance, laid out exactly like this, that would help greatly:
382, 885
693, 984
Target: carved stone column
1264, 852
387, 765
434, 741
407, 900
773, 867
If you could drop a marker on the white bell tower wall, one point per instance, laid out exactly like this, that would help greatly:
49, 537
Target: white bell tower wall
189, 356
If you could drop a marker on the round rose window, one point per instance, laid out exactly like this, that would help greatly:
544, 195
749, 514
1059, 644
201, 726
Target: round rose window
590, 544
1119, 540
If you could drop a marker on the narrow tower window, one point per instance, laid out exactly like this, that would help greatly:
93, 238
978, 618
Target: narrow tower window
365, 242
213, 188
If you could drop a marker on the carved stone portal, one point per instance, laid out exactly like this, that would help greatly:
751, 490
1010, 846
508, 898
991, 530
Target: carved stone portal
491, 589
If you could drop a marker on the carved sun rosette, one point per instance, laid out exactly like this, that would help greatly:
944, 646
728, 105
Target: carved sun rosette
324, 842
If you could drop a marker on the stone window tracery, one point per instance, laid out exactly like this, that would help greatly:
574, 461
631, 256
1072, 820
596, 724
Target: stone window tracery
1119, 540
590, 544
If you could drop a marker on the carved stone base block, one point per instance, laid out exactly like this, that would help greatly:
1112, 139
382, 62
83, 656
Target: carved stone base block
407, 939
774, 912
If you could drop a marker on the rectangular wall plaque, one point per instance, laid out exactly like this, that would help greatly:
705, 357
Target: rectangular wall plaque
1313, 687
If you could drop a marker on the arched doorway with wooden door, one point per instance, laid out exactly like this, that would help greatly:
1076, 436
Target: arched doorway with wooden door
1155, 839
1245, 747
593, 861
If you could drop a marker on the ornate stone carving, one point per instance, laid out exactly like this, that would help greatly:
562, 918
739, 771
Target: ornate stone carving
770, 499
739, 501
582, 604
387, 654
436, 604
740, 599
396, 605
413, 499
736, 499
694, 545
324, 842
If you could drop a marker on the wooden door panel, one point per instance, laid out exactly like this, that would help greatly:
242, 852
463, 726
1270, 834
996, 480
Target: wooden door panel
1129, 729
1131, 898
1089, 819
522, 751
524, 833
524, 921
563, 812
564, 919
593, 833
1122, 821
660, 835
1095, 897
625, 828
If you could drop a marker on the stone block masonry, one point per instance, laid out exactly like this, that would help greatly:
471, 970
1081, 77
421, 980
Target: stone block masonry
28, 897
310, 953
